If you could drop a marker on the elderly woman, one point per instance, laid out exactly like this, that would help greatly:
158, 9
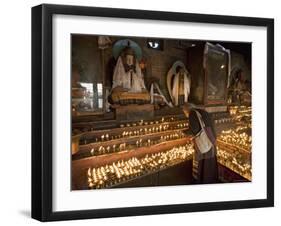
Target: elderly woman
205, 169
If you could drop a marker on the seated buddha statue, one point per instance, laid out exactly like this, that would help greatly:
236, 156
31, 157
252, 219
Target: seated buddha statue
128, 84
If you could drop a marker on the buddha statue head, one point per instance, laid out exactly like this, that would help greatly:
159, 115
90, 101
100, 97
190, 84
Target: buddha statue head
180, 70
128, 55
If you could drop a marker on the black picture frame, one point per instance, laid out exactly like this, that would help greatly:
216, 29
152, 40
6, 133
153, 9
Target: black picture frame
42, 107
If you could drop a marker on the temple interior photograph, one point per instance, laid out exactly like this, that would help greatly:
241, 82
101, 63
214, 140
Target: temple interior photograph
159, 112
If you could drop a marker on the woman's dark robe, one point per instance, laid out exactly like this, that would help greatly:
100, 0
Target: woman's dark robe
205, 168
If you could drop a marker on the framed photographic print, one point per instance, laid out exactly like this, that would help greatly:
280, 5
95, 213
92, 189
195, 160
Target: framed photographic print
146, 112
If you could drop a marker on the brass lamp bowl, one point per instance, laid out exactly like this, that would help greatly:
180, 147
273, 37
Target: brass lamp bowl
75, 143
